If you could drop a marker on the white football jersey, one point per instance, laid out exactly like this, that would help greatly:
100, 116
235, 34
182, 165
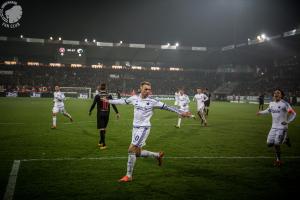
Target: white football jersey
183, 101
200, 99
59, 98
143, 108
279, 111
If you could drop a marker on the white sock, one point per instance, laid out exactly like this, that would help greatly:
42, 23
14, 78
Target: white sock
68, 115
179, 122
145, 153
130, 163
203, 117
54, 120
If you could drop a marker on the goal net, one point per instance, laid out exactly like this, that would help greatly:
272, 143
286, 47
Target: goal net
77, 92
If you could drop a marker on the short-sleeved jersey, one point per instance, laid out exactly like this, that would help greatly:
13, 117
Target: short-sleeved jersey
59, 98
279, 111
200, 99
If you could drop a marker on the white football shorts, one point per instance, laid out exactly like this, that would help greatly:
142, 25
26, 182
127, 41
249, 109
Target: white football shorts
276, 136
139, 136
57, 109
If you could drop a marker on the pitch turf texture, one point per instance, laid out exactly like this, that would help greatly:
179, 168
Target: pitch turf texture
226, 160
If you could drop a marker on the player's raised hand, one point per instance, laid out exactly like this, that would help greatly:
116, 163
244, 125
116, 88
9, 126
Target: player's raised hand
105, 100
258, 113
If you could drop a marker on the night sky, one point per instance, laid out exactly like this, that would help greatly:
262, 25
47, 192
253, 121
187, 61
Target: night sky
190, 22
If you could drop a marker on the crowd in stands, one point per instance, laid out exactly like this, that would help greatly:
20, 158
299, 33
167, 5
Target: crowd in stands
163, 82
43, 79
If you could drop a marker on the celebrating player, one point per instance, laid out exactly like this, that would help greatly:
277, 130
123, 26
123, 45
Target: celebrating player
143, 111
103, 109
282, 114
201, 98
59, 106
183, 103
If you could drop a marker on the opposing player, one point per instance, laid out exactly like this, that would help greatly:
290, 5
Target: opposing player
201, 98
282, 114
143, 111
59, 106
207, 102
183, 103
103, 110
261, 102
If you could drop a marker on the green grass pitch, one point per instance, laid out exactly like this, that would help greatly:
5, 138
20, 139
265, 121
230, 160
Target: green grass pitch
226, 160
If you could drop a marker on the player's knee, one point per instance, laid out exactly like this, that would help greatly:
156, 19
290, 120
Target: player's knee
53, 114
134, 149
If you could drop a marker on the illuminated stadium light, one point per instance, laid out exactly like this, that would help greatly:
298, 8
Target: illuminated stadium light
97, 66
175, 69
116, 67
76, 65
79, 55
21, 36
51, 38
94, 40
262, 37
259, 38
7, 62
55, 65
86, 40
121, 42
33, 63
136, 67
176, 44
62, 54
59, 38
155, 68
168, 44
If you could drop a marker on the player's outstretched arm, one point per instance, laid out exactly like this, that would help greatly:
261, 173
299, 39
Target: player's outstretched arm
117, 101
114, 107
121, 101
164, 106
264, 112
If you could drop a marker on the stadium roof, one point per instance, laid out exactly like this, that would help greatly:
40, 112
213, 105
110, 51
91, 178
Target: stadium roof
189, 22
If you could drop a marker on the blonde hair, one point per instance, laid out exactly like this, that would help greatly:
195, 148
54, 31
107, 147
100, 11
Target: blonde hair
145, 83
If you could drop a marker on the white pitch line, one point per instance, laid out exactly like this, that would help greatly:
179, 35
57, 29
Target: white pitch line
11, 123
167, 157
10, 189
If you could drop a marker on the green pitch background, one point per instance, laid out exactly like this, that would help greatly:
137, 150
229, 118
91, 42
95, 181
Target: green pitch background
234, 131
